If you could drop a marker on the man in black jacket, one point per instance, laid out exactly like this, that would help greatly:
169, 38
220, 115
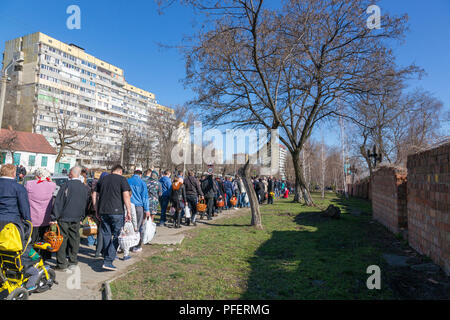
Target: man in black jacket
209, 189
68, 211
193, 193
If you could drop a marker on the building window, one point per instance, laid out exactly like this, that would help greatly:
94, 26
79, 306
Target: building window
44, 162
3, 158
16, 159
31, 160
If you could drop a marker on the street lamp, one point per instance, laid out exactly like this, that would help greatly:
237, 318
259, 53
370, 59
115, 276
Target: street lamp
376, 156
4, 79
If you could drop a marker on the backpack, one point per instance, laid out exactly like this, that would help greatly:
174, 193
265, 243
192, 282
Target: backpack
10, 238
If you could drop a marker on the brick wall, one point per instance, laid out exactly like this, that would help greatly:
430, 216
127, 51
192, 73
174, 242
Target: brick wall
429, 204
388, 190
360, 189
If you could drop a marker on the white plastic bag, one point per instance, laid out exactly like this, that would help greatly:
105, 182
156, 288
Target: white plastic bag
128, 238
149, 228
187, 212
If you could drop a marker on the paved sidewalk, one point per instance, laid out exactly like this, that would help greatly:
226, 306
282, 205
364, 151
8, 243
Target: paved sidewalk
92, 276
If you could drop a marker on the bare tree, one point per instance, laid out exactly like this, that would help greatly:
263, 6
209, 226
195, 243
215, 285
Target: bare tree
397, 124
72, 132
244, 172
284, 69
8, 141
166, 131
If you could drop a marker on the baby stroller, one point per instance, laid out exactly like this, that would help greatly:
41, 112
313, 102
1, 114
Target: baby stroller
17, 257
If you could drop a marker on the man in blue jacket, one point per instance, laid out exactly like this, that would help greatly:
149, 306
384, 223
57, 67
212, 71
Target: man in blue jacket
139, 197
166, 185
229, 191
14, 205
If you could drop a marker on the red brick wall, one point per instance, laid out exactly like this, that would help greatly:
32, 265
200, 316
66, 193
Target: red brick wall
388, 189
360, 189
429, 204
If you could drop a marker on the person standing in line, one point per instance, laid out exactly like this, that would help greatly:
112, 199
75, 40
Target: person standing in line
40, 197
178, 199
68, 211
154, 193
270, 190
139, 198
220, 195
14, 204
193, 194
99, 240
209, 189
243, 192
166, 191
266, 188
228, 187
113, 191
237, 192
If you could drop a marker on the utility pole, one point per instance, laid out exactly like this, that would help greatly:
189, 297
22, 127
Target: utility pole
322, 161
341, 123
121, 153
4, 79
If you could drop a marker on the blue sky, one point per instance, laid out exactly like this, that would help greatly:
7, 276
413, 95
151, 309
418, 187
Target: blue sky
127, 33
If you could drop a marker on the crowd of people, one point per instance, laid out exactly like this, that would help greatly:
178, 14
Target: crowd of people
111, 200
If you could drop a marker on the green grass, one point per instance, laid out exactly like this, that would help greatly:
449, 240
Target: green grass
298, 255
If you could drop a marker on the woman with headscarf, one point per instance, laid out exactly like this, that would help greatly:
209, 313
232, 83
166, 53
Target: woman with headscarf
154, 192
40, 196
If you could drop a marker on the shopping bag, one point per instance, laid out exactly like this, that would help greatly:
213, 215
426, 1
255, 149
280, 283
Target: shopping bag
187, 212
128, 237
149, 228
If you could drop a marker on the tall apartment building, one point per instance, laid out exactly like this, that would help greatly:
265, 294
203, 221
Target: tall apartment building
60, 85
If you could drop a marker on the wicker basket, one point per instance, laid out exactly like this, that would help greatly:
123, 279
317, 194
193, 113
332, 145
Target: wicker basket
89, 227
220, 203
54, 239
233, 201
201, 206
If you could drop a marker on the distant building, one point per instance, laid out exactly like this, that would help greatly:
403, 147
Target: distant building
31, 150
58, 81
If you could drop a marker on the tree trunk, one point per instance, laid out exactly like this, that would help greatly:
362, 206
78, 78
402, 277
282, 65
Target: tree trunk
301, 191
244, 172
60, 154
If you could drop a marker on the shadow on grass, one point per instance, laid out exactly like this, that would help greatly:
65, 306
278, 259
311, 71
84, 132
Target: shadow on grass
353, 205
323, 259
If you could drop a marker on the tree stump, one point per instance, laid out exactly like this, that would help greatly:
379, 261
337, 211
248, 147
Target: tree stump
332, 212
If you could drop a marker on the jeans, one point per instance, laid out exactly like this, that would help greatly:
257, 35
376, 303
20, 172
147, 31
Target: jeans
192, 202
241, 201
164, 202
91, 240
99, 246
229, 195
110, 229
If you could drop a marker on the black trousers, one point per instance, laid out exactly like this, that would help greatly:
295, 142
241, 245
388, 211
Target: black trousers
210, 206
70, 245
